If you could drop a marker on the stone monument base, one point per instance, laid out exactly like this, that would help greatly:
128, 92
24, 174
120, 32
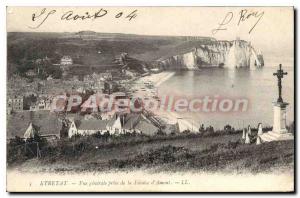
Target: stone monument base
275, 136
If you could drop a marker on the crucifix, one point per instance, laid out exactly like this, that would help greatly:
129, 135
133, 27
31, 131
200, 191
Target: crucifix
279, 75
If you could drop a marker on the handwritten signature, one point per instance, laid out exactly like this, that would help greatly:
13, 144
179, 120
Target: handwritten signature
42, 16
244, 16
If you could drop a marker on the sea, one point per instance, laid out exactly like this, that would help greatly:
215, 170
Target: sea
258, 86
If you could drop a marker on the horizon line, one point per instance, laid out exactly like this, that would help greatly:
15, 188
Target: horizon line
133, 34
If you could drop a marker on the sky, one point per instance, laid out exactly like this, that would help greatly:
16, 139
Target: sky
273, 32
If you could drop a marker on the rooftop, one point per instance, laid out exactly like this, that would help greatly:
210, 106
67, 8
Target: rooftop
93, 125
47, 122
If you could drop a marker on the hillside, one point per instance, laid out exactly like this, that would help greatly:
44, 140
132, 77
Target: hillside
100, 50
91, 49
210, 153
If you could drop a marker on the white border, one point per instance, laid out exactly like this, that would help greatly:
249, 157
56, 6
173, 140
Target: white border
5, 3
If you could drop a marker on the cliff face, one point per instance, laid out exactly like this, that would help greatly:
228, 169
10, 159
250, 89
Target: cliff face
229, 54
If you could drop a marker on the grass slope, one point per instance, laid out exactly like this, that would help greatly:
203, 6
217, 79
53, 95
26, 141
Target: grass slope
224, 153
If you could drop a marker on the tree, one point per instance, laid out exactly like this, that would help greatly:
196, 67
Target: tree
28, 100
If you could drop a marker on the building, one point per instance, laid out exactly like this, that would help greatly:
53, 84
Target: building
66, 60
130, 121
43, 103
15, 104
140, 124
92, 126
110, 87
72, 129
45, 123
95, 81
119, 124
114, 126
31, 131
33, 107
87, 127
105, 76
146, 128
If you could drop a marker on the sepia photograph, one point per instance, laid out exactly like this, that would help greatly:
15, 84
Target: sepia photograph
150, 99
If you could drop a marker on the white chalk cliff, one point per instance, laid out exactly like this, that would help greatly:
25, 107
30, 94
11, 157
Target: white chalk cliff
229, 54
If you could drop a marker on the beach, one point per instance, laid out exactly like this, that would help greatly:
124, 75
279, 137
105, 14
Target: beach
158, 79
146, 87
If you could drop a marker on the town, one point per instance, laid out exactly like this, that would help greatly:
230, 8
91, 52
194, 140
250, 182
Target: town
54, 114
30, 99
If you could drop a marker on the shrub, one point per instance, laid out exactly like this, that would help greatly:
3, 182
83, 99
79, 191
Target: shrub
19, 151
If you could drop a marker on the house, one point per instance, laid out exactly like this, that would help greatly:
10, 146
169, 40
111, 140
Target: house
8, 110
15, 104
146, 128
33, 107
105, 76
66, 60
72, 129
110, 87
118, 124
87, 127
140, 124
48, 124
92, 126
9, 107
42, 60
94, 81
31, 131
44, 103
130, 121
114, 126
41, 104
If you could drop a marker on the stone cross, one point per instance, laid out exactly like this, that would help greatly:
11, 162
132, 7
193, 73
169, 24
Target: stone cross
279, 75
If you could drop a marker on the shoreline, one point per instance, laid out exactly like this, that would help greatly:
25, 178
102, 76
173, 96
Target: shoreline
157, 79
170, 117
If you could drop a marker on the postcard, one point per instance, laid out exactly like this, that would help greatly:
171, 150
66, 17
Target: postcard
150, 99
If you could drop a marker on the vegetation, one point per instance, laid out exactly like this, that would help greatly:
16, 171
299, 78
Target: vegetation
24, 50
205, 151
19, 150
232, 156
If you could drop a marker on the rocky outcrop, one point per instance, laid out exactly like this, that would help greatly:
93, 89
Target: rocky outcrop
229, 54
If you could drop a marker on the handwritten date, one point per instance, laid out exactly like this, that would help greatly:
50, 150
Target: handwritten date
41, 17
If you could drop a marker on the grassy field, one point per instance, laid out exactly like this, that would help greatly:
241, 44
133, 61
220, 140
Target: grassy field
224, 153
